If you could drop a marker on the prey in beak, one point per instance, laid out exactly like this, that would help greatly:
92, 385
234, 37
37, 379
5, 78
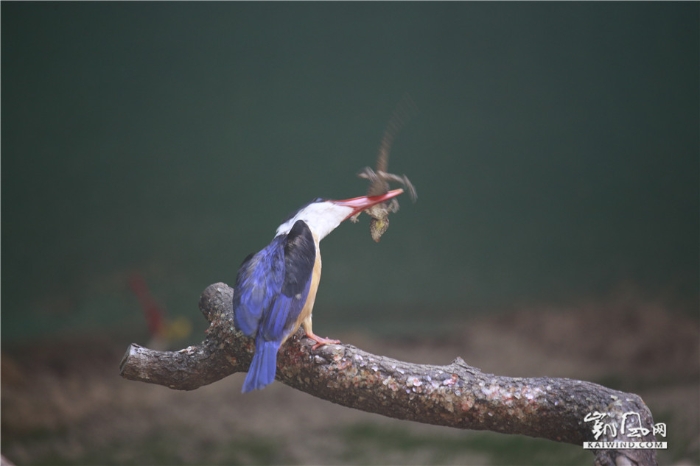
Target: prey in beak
380, 178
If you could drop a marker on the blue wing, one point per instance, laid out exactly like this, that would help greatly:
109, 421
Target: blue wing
270, 292
259, 282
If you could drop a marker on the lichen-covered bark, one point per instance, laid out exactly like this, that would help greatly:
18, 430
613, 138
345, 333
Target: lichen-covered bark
455, 395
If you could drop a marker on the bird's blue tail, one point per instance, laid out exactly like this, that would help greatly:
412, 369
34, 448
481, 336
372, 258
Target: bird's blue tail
263, 367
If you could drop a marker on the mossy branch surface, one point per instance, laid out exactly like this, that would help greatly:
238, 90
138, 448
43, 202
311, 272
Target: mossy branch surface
455, 395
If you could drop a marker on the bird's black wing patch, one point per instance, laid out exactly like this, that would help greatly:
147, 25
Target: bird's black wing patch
299, 259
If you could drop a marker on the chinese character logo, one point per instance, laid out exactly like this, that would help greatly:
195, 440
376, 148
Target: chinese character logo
636, 430
599, 428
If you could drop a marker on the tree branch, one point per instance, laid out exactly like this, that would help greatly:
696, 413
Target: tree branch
456, 395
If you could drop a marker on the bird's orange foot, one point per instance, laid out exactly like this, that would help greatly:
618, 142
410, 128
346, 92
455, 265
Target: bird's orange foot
321, 341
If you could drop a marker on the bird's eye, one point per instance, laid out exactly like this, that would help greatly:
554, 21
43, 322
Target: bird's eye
318, 199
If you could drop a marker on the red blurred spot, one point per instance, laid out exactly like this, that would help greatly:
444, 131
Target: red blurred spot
154, 313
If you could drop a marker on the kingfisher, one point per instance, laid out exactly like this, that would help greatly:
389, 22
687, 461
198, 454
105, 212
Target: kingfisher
276, 287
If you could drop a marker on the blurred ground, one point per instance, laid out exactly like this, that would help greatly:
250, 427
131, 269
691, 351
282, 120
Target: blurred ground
64, 402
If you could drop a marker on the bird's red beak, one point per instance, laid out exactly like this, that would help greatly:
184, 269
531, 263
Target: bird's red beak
365, 202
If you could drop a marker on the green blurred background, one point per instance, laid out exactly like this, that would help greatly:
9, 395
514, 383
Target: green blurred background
555, 154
